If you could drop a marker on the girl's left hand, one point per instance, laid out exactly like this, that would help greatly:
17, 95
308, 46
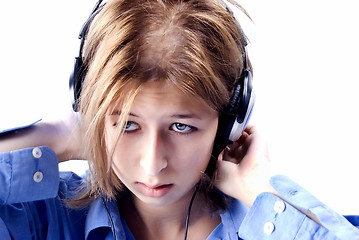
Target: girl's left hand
243, 168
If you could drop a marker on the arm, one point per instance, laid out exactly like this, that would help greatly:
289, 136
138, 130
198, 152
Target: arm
31, 196
61, 136
279, 208
28, 175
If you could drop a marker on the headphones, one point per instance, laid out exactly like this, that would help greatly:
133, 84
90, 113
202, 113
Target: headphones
234, 117
79, 72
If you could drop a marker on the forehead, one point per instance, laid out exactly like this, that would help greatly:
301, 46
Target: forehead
160, 95
160, 89
166, 93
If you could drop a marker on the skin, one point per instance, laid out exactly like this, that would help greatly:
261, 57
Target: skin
62, 136
246, 165
159, 152
166, 148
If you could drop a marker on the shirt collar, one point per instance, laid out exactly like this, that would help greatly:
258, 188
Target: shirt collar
98, 217
231, 221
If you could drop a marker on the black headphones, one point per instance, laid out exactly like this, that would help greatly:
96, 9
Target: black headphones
78, 74
233, 119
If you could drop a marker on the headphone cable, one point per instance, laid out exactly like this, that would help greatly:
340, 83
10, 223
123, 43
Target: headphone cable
111, 221
189, 212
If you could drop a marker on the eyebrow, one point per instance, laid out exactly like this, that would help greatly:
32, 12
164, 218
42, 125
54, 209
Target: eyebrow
185, 116
118, 113
181, 116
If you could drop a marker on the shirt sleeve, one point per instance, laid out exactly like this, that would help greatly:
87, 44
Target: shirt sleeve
28, 175
18, 124
270, 217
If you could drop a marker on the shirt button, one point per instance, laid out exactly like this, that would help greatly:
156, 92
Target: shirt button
279, 207
293, 192
268, 228
36, 152
38, 176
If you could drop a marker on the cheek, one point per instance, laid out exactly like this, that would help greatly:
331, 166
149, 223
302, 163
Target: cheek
124, 155
120, 152
198, 150
196, 154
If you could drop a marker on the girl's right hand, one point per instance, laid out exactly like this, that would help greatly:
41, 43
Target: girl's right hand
62, 136
67, 138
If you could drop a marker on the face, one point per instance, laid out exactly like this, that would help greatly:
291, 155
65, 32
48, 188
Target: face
166, 146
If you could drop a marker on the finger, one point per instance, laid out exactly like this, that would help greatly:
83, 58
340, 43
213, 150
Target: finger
238, 149
237, 143
250, 129
224, 170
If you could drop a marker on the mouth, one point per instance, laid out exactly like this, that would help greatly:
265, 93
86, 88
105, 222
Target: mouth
156, 191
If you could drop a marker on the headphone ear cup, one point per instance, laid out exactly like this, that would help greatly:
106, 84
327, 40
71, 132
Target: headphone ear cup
245, 107
225, 123
76, 80
240, 124
235, 116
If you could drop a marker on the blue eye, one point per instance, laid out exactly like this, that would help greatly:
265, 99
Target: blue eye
131, 126
182, 128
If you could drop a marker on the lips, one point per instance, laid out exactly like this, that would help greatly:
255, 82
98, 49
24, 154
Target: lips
156, 191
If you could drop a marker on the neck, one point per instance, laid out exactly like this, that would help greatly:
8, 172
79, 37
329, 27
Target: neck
160, 221
168, 222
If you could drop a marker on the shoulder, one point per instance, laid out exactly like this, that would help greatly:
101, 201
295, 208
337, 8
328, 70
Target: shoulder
71, 185
235, 214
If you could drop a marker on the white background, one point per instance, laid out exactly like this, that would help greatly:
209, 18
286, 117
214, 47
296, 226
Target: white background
305, 57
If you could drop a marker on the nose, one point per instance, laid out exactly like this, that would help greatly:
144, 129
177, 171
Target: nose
154, 159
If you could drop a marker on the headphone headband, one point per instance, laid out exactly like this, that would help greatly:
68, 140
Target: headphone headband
78, 74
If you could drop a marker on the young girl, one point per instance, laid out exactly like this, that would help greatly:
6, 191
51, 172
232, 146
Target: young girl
160, 82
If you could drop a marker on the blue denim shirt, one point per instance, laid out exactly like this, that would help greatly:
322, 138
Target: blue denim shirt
31, 207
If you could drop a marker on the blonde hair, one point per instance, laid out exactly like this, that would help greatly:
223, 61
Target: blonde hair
195, 45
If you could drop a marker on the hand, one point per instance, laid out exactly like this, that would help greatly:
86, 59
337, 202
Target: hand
243, 168
62, 136
67, 138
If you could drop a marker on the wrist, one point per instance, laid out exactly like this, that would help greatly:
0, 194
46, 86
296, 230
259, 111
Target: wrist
249, 194
66, 142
